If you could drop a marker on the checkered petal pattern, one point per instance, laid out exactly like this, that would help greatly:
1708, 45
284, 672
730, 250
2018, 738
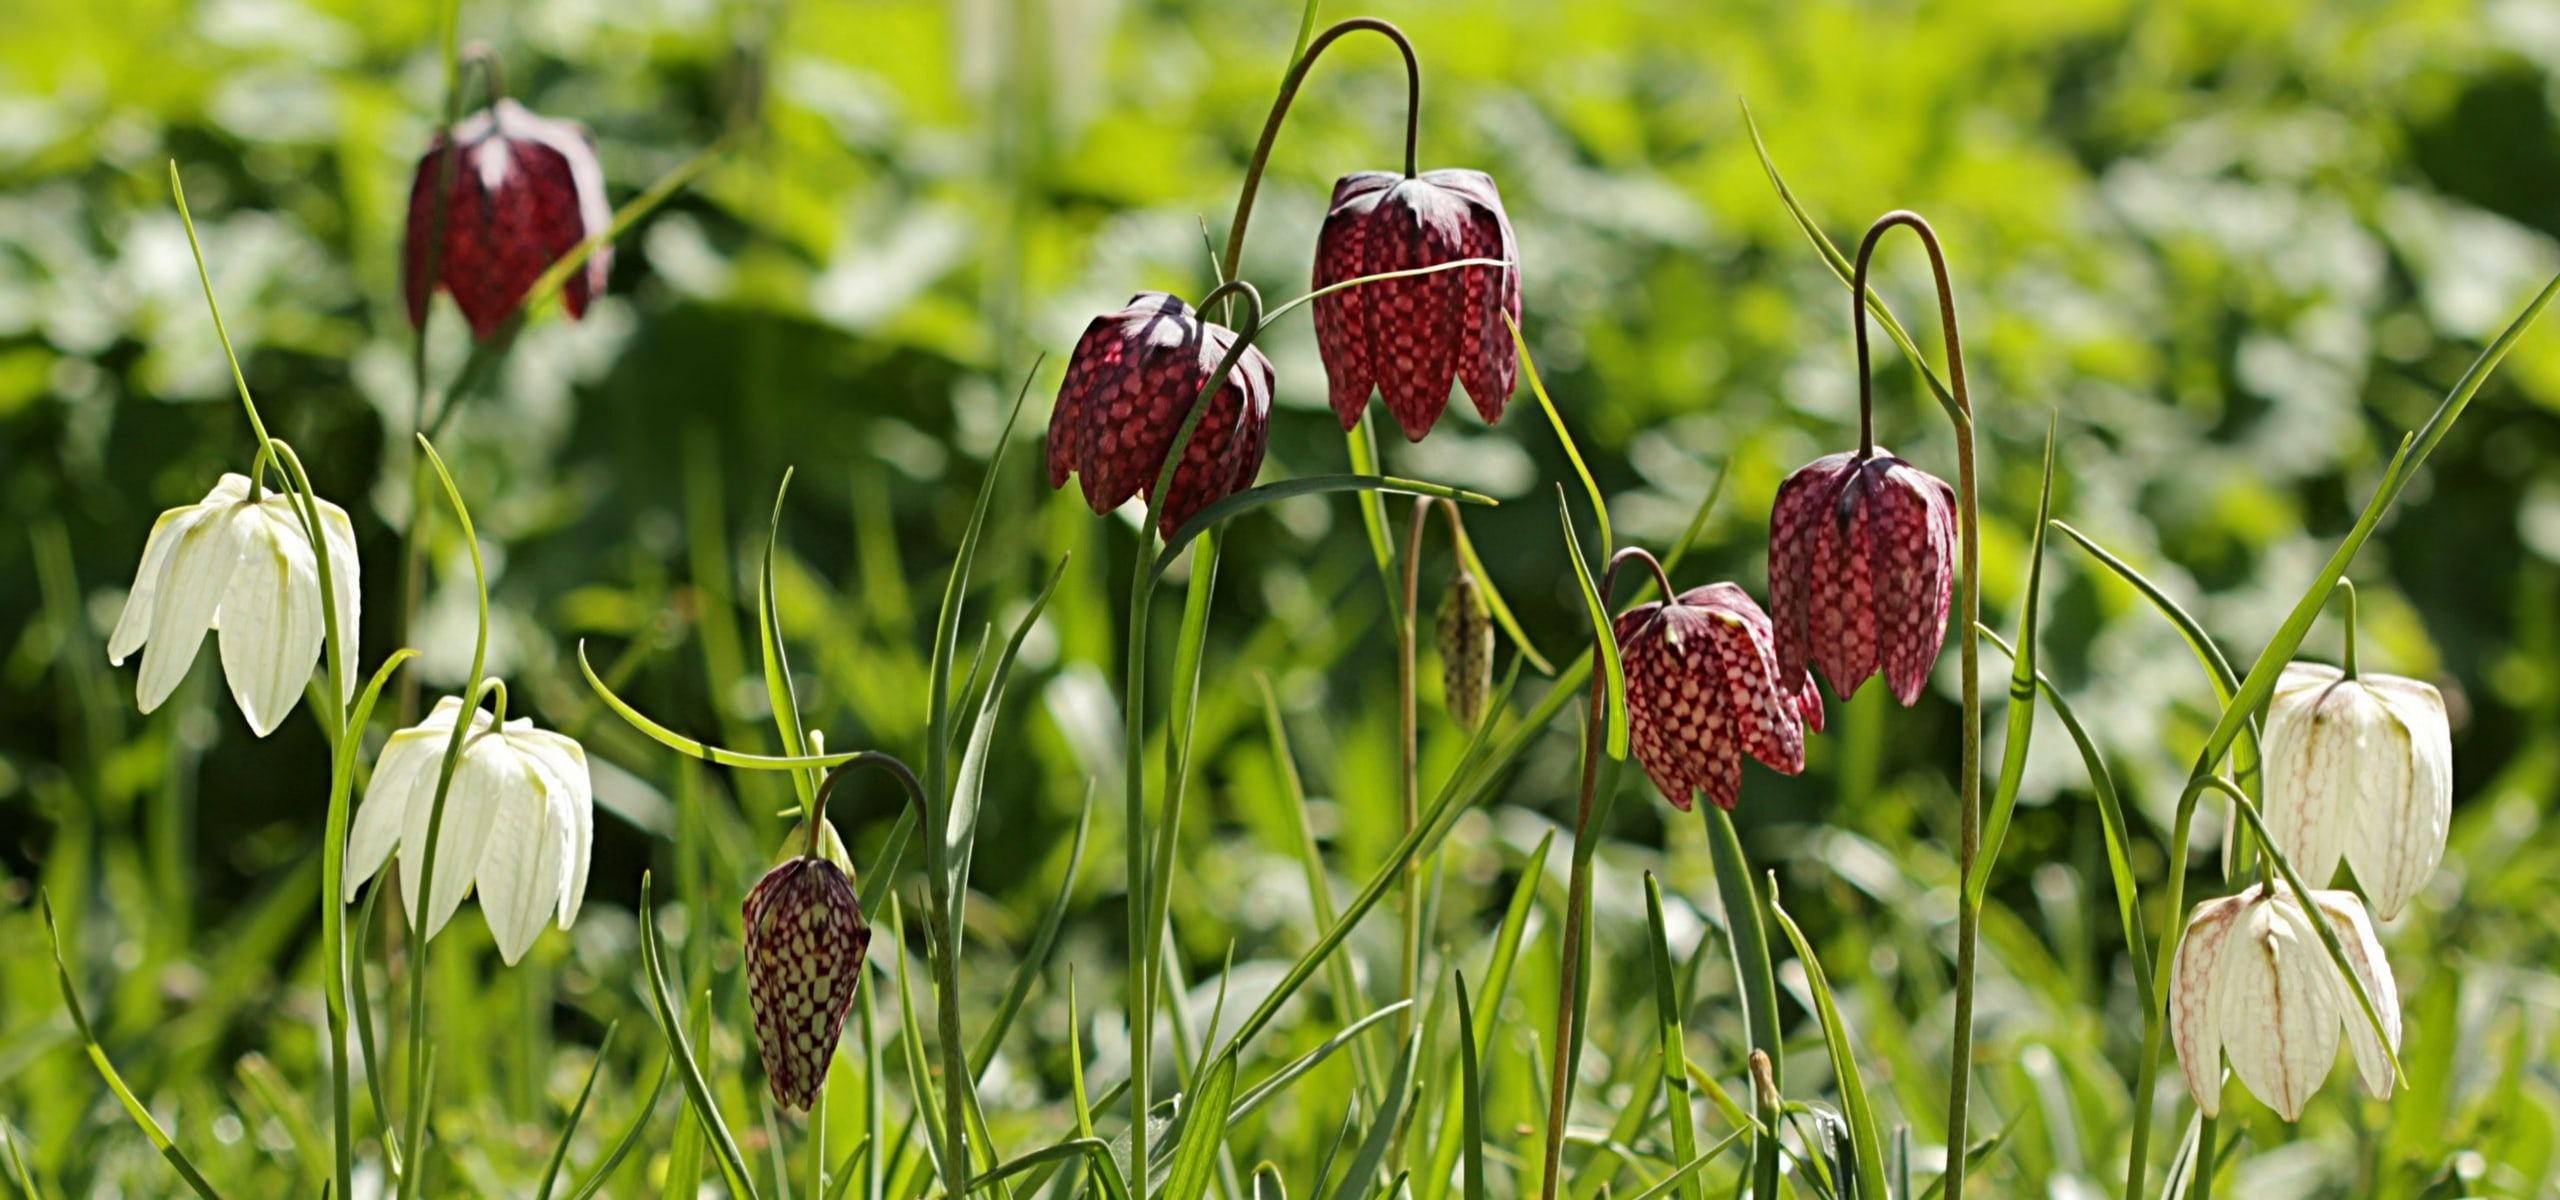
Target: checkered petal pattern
1128, 386
805, 941
525, 190
1703, 690
1410, 339
1861, 569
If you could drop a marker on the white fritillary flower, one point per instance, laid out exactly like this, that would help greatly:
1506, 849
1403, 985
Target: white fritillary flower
518, 822
2253, 981
2362, 769
244, 567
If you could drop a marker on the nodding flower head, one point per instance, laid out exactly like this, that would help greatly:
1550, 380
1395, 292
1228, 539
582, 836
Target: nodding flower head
1410, 338
2362, 769
2252, 980
524, 191
1703, 690
805, 941
1861, 563
1128, 387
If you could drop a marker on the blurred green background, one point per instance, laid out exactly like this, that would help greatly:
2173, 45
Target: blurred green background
2237, 246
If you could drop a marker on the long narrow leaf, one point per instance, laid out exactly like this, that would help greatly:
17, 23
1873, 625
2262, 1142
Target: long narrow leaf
697, 1086
1866, 1148
1746, 929
1195, 1157
1470, 1096
1382, 1130
1036, 957
577, 1113
1674, 1041
1306, 485
1603, 633
2022, 700
630, 1137
1564, 437
133, 1108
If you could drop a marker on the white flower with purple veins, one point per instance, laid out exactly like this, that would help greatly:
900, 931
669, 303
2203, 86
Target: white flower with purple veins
2362, 769
244, 567
518, 821
2253, 981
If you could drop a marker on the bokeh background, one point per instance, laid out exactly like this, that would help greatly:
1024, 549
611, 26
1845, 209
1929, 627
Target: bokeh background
2233, 247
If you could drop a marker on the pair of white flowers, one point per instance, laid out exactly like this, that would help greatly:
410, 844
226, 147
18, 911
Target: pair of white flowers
519, 814
2358, 769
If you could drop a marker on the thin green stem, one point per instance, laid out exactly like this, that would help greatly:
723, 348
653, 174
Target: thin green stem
1280, 111
1969, 518
2348, 586
2146, 1069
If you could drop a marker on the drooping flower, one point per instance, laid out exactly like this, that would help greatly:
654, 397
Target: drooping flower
246, 568
1410, 338
2362, 769
805, 940
2253, 981
519, 820
526, 189
1465, 633
1861, 563
1703, 690
1128, 387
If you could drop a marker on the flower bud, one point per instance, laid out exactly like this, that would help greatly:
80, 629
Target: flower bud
1466, 649
1410, 338
1702, 689
1132, 380
1861, 562
2252, 980
525, 190
804, 945
2361, 769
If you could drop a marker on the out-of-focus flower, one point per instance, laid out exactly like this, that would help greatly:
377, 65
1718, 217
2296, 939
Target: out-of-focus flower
1409, 338
1702, 690
526, 190
2362, 769
1861, 561
2253, 981
1131, 382
1465, 630
518, 822
804, 945
246, 568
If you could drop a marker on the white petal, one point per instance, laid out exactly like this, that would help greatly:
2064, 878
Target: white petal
479, 782
271, 627
2195, 1020
346, 584
2311, 775
2399, 833
2355, 932
2279, 1006
2297, 676
186, 601
386, 800
562, 765
135, 622
521, 872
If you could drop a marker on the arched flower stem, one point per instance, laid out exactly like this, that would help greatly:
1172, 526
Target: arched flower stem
1280, 112
1969, 521
1568, 1042
2348, 665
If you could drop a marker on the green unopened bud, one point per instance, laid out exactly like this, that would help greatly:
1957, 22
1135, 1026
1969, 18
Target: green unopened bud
1466, 649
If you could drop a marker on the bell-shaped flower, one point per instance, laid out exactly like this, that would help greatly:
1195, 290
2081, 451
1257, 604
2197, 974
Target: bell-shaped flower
805, 940
2362, 769
519, 819
2253, 981
1128, 387
525, 190
1410, 338
1703, 690
244, 567
1861, 562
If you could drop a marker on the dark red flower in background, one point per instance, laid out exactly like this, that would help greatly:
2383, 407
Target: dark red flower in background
525, 190
1861, 560
1409, 337
1131, 381
804, 945
1703, 690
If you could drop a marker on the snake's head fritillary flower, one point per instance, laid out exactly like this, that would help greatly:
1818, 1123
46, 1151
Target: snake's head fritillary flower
246, 568
525, 190
1128, 387
2253, 981
2362, 769
1861, 562
1410, 338
805, 940
519, 820
1703, 690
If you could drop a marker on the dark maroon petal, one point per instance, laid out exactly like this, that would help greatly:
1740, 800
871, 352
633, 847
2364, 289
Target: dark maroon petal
525, 191
1487, 364
1341, 317
1231, 432
1702, 691
1909, 524
805, 941
1803, 502
1418, 320
1135, 412
417, 275
1840, 596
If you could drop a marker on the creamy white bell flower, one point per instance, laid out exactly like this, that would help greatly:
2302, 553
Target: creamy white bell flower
244, 567
2253, 981
518, 823
2362, 769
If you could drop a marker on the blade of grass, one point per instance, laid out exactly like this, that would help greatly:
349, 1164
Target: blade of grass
1470, 1096
1306, 485
1506, 952
1027, 973
133, 1108
1500, 608
1373, 1144
697, 1087
1564, 437
1603, 634
1340, 981
1195, 1156
1280, 1080
1675, 1053
1755, 978
577, 1113
1866, 1148
630, 1138
2022, 704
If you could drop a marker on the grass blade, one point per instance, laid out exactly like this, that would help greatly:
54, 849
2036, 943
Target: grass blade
1282, 1078
1675, 1052
1494, 602
780, 693
2022, 702
1195, 1156
1746, 929
1866, 1149
577, 1113
1305, 485
1033, 960
1564, 437
1470, 1095
692, 748
630, 1137
697, 1087
142, 1117
1373, 1145
1603, 632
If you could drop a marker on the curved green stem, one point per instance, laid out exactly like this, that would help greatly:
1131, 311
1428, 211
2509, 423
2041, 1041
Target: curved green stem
1280, 112
1969, 616
2348, 586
